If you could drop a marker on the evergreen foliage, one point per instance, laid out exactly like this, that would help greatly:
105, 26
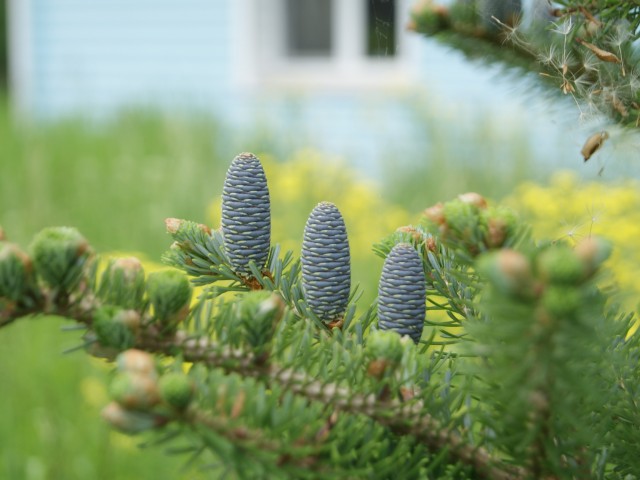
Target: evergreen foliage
586, 49
523, 367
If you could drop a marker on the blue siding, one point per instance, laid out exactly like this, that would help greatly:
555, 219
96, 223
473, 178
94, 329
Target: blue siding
95, 56
101, 54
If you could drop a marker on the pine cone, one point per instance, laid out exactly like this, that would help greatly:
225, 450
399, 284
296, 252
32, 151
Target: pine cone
402, 293
246, 213
326, 267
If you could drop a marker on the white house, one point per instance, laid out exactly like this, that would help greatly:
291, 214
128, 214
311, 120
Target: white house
342, 75
340, 72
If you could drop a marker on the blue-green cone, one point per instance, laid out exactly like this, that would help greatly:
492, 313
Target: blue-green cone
246, 213
402, 293
326, 267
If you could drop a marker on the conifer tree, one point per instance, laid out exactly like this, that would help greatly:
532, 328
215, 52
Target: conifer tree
486, 356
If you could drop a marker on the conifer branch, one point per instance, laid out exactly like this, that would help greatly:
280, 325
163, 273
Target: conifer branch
403, 418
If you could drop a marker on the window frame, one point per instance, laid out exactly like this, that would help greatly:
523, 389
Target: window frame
262, 61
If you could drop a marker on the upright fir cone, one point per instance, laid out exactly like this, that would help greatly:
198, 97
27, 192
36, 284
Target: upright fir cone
246, 213
326, 264
402, 293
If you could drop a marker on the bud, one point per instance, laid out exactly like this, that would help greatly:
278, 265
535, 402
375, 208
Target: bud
501, 224
431, 245
259, 311
385, 345
435, 214
170, 294
561, 301
135, 391
177, 390
473, 198
246, 214
137, 362
416, 235
131, 421
116, 327
592, 252
508, 271
402, 293
559, 264
123, 283
326, 263
2, 236
173, 225
16, 272
59, 256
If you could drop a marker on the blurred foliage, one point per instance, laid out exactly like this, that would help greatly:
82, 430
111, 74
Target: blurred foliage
133, 170
586, 49
572, 209
117, 180
4, 44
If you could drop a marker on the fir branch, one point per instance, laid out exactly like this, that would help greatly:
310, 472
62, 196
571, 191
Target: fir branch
297, 458
403, 418
600, 74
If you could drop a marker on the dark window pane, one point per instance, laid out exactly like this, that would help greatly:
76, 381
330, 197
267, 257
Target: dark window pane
381, 28
309, 27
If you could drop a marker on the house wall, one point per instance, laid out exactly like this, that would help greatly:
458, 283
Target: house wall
92, 56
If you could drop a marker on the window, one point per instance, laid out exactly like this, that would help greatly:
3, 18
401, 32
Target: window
308, 27
334, 43
381, 28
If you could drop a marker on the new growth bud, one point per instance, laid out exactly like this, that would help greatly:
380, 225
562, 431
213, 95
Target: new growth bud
131, 421
123, 283
139, 393
560, 264
116, 327
509, 271
385, 345
137, 362
59, 256
592, 252
135, 391
169, 292
258, 312
16, 273
177, 390
473, 198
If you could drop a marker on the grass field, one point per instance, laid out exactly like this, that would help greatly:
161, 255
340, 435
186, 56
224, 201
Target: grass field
117, 182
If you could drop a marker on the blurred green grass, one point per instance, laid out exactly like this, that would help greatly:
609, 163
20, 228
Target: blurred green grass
116, 181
